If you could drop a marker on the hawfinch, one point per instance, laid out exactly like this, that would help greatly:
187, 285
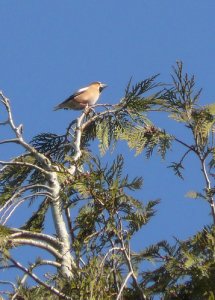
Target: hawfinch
83, 97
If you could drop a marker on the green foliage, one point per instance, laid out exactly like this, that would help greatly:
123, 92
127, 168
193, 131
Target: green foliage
51, 145
4, 233
36, 221
177, 168
22, 180
124, 121
4, 245
135, 98
181, 99
128, 121
13, 176
105, 215
195, 195
91, 283
182, 104
202, 124
105, 191
186, 271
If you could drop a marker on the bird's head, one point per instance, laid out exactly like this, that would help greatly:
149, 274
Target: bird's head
99, 85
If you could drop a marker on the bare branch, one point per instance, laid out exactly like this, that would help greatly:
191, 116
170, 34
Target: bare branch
34, 235
9, 283
69, 223
35, 243
191, 148
126, 253
208, 185
19, 138
4, 123
109, 251
33, 276
123, 285
11, 212
11, 205
77, 142
25, 164
24, 189
33, 266
10, 141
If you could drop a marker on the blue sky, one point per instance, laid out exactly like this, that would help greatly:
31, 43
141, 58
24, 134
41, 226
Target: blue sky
50, 48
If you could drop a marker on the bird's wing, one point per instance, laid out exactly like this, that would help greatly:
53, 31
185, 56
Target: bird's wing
80, 91
77, 93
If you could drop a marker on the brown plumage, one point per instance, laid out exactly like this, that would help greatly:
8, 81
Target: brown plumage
83, 97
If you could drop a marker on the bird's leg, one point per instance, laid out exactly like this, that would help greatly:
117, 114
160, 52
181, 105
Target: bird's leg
88, 109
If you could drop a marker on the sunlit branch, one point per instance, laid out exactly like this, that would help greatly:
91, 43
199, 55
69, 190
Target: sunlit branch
23, 189
208, 185
77, 142
16, 141
11, 211
69, 223
35, 235
37, 243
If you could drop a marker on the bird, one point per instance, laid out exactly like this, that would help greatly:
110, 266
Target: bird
83, 97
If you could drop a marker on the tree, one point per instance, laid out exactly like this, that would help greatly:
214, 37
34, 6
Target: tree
91, 250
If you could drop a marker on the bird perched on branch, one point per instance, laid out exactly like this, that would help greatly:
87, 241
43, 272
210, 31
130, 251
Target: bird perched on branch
83, 97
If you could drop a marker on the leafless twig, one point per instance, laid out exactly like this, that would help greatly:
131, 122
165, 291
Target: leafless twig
39, 281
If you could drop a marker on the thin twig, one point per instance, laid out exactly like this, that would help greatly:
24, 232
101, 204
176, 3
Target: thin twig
25, 164
106, 255
9, 283
33, 266
11, 212
123, 285
33, 276
16, 141
208, 185
128, 260
191, 148
22, 190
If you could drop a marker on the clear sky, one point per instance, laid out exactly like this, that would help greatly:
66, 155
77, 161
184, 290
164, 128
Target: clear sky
50, 48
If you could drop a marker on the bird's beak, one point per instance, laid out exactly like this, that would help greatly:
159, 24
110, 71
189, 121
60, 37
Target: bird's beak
103, 85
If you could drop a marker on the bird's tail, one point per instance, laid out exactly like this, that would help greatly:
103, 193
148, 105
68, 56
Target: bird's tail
59, 106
